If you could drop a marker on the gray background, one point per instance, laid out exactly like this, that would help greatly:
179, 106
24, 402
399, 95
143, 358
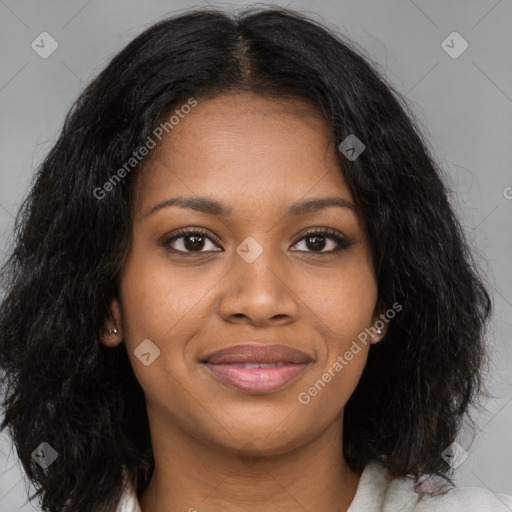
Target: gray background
463, 105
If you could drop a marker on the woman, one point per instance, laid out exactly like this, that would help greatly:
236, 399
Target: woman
184, 330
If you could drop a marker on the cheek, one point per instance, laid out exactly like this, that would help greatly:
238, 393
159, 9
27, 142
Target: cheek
344, 303
158, 300
151, 310
164, 304
343, 309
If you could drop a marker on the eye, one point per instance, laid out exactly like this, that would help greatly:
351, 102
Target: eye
197, 240
319, 239
191, 241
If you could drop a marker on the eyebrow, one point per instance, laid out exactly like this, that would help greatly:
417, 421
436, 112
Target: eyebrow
212, 207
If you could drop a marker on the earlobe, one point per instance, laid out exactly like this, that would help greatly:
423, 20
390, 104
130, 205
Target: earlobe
380, 324
377, 332
111, 334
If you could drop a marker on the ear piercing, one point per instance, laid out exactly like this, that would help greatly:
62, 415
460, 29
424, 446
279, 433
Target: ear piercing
114, 330
379, 332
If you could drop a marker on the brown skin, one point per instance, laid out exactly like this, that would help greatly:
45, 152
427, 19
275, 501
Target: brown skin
217, 448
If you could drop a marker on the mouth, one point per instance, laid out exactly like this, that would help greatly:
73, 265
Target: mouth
257, 368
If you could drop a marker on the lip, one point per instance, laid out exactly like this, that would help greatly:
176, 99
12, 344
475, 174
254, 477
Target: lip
227, 365
251, 353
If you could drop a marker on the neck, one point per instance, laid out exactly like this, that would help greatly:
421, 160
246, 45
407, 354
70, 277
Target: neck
193, 476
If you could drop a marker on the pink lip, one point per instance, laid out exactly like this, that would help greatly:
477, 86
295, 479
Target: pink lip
228, 365
257, 380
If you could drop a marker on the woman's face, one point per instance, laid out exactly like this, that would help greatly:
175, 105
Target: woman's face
251, 277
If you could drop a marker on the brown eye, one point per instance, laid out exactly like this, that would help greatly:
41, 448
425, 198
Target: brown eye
317, 241
190, 241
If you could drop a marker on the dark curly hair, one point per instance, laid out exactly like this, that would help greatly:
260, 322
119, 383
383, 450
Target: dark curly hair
64, 387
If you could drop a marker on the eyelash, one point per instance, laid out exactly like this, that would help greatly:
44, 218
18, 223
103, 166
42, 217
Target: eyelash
341, 241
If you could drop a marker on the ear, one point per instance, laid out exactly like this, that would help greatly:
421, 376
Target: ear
112, 333
380, 322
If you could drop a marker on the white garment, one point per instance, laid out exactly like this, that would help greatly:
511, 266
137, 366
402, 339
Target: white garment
377, 492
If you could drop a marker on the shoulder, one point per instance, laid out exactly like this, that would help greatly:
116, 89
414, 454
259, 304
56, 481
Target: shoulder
467, 499
457, 499
400, 494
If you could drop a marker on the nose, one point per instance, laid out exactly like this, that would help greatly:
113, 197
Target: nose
258, 293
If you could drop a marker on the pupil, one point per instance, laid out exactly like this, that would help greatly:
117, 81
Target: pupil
196, 244
320, 241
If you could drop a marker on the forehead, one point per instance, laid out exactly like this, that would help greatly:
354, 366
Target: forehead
236, 145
